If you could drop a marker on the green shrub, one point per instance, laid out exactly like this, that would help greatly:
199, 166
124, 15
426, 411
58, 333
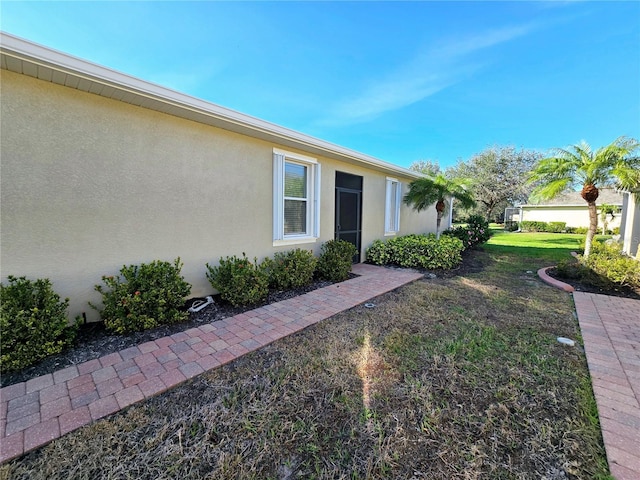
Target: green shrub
336, 258
33, 323
143, 296
474, 233
616, 231
574, 270
533, 226
607, 260
550, 227
418, 251
239, 281
380, 253
511, 226
556, 227
292, 269
581, 230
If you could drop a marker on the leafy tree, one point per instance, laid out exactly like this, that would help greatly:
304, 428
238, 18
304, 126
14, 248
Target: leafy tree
437, 189
499, 178
428, 167
580, 166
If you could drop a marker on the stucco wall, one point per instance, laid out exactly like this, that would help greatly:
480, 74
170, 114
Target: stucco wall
89, 184
573, 216
630, 230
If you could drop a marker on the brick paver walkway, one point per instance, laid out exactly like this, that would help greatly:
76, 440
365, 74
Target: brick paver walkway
611, 332
40, 410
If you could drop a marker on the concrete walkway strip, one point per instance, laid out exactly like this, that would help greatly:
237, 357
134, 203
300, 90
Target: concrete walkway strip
35, 412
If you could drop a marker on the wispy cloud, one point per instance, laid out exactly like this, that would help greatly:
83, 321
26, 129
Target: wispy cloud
429, 72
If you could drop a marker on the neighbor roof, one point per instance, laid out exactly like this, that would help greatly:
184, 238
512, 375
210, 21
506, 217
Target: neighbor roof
28, 58
573, 199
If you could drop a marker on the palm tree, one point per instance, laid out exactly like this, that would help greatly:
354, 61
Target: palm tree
437, 189
580, 166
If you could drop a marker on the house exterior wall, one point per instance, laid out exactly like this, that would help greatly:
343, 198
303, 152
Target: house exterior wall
630, 229
576, 216
89, 184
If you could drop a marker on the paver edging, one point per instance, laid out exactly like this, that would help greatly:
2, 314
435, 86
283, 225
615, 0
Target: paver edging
546, 278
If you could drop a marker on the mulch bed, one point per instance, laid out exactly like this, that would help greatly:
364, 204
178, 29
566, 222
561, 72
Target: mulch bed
94, 341
613, 290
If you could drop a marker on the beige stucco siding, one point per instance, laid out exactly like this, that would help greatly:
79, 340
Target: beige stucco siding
89, 184
630, 229
573, 216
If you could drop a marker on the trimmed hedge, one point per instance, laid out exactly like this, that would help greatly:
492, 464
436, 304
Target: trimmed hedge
417, 251
549, 227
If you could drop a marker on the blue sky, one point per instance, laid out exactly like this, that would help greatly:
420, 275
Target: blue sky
401, 81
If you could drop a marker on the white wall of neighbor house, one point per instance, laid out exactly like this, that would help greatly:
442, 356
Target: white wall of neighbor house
573, 216
630, 229
89, 184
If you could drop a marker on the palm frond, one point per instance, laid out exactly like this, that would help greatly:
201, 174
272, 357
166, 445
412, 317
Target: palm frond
580, 165
427, 191
551, 189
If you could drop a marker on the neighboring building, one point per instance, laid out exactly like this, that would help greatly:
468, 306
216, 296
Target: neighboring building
630, 224
573, 210
100, 169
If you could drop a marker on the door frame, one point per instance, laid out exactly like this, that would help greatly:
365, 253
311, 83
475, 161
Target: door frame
337, 227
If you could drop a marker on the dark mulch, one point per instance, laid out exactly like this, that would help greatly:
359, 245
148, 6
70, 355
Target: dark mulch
602, 289
94, 341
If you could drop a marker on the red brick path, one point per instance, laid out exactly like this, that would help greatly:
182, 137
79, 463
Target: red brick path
611, 332
35, 412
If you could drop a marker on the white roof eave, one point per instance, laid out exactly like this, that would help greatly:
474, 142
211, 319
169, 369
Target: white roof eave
28, 58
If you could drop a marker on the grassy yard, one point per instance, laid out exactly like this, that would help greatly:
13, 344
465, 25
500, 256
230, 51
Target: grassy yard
459, 377
550, 247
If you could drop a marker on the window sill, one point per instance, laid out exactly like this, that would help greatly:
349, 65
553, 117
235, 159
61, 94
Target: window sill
294, 241
390, 234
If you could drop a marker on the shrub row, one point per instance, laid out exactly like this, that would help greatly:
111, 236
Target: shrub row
605, 266
34, 323
608, 261
417, 251
549, 227
242, 282
584, 230
555, 227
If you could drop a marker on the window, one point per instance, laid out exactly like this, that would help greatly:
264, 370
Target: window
392, 207
296, 198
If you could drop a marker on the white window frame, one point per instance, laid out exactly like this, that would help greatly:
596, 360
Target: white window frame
280, 158
391, 217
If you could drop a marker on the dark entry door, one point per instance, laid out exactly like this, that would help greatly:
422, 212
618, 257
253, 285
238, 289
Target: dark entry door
349, 210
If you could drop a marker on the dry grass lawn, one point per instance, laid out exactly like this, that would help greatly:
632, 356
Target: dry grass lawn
453, 378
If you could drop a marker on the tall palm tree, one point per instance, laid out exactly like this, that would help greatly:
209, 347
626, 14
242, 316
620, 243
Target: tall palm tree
440, 190
580, 166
